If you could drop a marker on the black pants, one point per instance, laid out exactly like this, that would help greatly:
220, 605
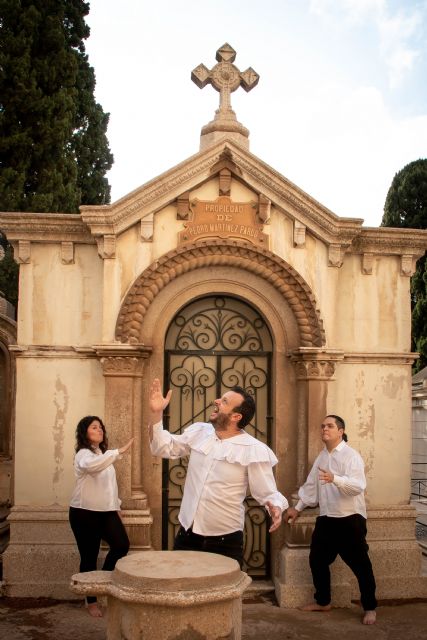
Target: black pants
89, 528
345, 537
230, 544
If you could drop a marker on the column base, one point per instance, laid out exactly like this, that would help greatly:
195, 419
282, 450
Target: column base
393, 549
42, 554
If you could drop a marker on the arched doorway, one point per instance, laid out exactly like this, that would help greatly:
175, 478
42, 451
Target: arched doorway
212, 344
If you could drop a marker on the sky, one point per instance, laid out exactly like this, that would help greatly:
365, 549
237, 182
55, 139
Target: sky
340, 107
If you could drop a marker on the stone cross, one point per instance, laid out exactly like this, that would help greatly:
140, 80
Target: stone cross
225, 77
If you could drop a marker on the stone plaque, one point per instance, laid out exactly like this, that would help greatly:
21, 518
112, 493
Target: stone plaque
223, 218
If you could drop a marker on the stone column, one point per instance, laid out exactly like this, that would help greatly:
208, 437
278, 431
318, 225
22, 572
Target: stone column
123, 367
315, 369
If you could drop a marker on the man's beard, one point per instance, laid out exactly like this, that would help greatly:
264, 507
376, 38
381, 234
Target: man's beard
220, 421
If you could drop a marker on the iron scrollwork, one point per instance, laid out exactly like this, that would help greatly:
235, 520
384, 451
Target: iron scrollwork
212, 345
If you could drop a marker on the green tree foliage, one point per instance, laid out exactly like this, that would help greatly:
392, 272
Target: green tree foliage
406, 206
9, 277
54, 152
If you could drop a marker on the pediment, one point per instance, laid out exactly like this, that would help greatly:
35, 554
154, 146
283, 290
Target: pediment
227, 155
226, 159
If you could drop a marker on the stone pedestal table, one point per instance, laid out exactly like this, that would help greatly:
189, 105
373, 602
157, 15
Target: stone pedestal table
170, 595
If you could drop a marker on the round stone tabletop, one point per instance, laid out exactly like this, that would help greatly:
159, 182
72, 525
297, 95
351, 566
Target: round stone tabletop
176, 571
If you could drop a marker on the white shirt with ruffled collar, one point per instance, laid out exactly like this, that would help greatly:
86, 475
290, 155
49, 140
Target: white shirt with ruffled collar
218, 476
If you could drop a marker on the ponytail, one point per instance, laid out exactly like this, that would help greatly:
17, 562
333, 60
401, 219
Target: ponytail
340, 424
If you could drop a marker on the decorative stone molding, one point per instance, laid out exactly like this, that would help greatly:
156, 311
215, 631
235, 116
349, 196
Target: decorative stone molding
67, 252
183, 206
23, 255
335, 255
367, 263
106, 246
147, 228
409, 244
149, 198
392, 359
264, 208
227, 253
45, 227
113, 219
122, 360
52, 351
299, 234
225, 161
316, 364
224, 182
407, 265
321, 221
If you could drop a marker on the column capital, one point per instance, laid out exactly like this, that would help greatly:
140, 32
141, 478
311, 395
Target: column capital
119, 359
313, 363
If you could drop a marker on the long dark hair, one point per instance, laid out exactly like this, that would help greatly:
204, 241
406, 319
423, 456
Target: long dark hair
82, 441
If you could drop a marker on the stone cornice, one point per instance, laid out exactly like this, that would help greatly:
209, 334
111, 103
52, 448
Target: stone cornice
391, 241
285, 195
341, 235
152, 196
45, 227
161, 191
52, 351
380, 358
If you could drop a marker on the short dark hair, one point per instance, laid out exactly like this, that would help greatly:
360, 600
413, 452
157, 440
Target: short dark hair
246, 408
82, 441
340, 424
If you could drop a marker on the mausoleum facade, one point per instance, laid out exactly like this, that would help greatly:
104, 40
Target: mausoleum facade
218, 272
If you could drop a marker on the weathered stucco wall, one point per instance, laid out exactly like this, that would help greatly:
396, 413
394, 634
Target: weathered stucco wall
53, 393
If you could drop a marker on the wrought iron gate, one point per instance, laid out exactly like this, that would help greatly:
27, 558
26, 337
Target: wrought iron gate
212, 345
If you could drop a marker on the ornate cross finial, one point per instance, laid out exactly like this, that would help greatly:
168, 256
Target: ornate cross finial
225, 77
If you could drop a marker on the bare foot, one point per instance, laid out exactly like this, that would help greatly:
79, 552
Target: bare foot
370, 617
94, 610
316, 607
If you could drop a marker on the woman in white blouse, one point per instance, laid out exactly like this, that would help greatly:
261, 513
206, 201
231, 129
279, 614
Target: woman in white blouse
95, 504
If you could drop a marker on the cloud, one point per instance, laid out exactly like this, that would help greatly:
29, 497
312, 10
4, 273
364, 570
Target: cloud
397, 34
348, 162
398, 30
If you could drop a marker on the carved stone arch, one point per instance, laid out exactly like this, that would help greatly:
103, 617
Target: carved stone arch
228, 253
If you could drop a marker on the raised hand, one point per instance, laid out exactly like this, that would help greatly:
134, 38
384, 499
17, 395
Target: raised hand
126, 446
157, 402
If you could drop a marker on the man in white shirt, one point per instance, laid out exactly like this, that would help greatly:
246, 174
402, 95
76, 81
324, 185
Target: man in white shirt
224, 462
337, 483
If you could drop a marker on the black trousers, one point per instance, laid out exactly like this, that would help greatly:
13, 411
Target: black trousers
230, 544
345, 537
89, 528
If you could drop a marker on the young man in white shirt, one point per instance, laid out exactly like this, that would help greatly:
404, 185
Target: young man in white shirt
337, 483
224, 462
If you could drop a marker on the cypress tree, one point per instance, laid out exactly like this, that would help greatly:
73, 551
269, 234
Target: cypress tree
406, 206
54, 152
